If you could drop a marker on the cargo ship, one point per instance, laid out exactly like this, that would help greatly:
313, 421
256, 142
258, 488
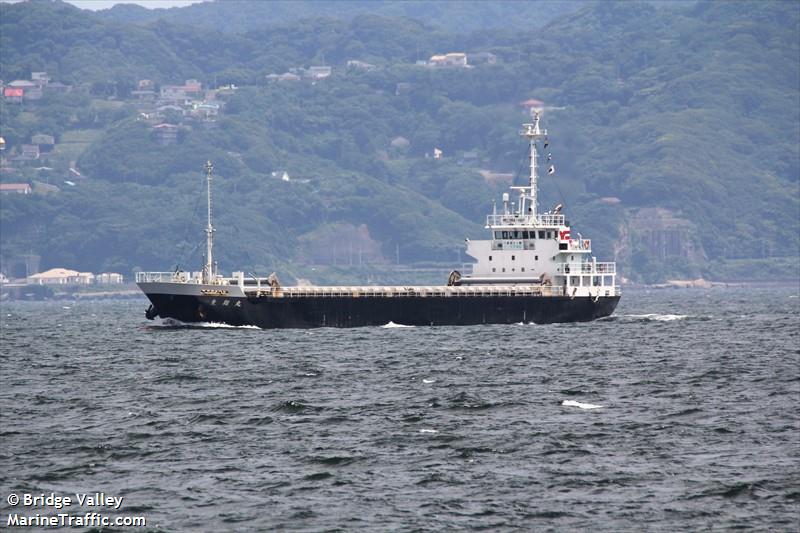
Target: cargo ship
529, 269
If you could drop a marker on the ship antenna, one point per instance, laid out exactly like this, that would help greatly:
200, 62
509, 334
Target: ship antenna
208, 271
533, 133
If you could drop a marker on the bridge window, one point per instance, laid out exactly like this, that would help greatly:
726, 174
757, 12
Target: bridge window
505, 235
542, 234
525, 234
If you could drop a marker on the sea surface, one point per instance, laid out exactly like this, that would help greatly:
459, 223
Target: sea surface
680, 412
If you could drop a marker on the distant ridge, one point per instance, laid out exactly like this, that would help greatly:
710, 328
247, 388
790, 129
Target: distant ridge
240, 16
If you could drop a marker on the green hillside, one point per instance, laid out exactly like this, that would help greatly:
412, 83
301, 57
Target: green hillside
675, 133
238, 16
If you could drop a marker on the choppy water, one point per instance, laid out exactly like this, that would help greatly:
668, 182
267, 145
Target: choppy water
493, 427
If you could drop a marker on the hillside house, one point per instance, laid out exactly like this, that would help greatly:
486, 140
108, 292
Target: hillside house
286, 76
46, 143
204, 110
13, 95
226, 90
166, 134
15, 188
22, 84
40, 78
318, 72
30, 90
453, 59
360, 65
30, 152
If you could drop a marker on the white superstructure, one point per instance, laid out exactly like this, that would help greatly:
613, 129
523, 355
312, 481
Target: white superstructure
527, 247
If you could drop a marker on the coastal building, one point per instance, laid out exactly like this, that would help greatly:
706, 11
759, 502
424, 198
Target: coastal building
61, 276
108, 278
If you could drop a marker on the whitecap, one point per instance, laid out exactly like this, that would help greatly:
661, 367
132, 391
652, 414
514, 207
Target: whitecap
573, 403
429, 380
393, 325
428, 431
658, 317
65, 307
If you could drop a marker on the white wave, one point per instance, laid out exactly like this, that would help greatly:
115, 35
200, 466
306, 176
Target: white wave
573, 403
658, 317
174, 323
428, 431
65, 307
429, 381
393, 325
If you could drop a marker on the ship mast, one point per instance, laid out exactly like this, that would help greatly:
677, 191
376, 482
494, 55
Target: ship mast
533, 133
208, 270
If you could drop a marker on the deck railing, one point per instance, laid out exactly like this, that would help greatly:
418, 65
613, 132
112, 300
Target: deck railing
525, 220
580, 244
406, 292
587, 268
165, 277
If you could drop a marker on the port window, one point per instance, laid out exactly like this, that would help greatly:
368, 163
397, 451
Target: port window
504, 269
513, 257
513, 270
490, 258
536, 258
523, 269
494, 270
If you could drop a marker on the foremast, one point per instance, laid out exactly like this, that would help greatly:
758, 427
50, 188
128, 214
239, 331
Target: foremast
208, 270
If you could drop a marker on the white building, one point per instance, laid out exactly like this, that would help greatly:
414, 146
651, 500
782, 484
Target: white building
61, 276
108, 278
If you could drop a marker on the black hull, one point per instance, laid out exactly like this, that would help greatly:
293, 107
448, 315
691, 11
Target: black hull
344, 312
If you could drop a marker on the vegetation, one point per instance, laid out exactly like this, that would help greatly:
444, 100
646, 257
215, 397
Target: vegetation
691, 109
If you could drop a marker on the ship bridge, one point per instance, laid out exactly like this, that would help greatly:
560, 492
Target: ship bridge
526, 246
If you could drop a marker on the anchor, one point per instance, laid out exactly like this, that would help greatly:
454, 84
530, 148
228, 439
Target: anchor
151, 313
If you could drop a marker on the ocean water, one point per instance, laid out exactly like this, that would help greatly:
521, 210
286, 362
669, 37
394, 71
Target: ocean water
680, 412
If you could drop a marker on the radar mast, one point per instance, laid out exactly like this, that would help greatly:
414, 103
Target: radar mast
528, 194
208, 270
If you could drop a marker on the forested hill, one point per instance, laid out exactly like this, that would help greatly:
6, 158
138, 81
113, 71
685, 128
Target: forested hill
675, 135
240, 16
